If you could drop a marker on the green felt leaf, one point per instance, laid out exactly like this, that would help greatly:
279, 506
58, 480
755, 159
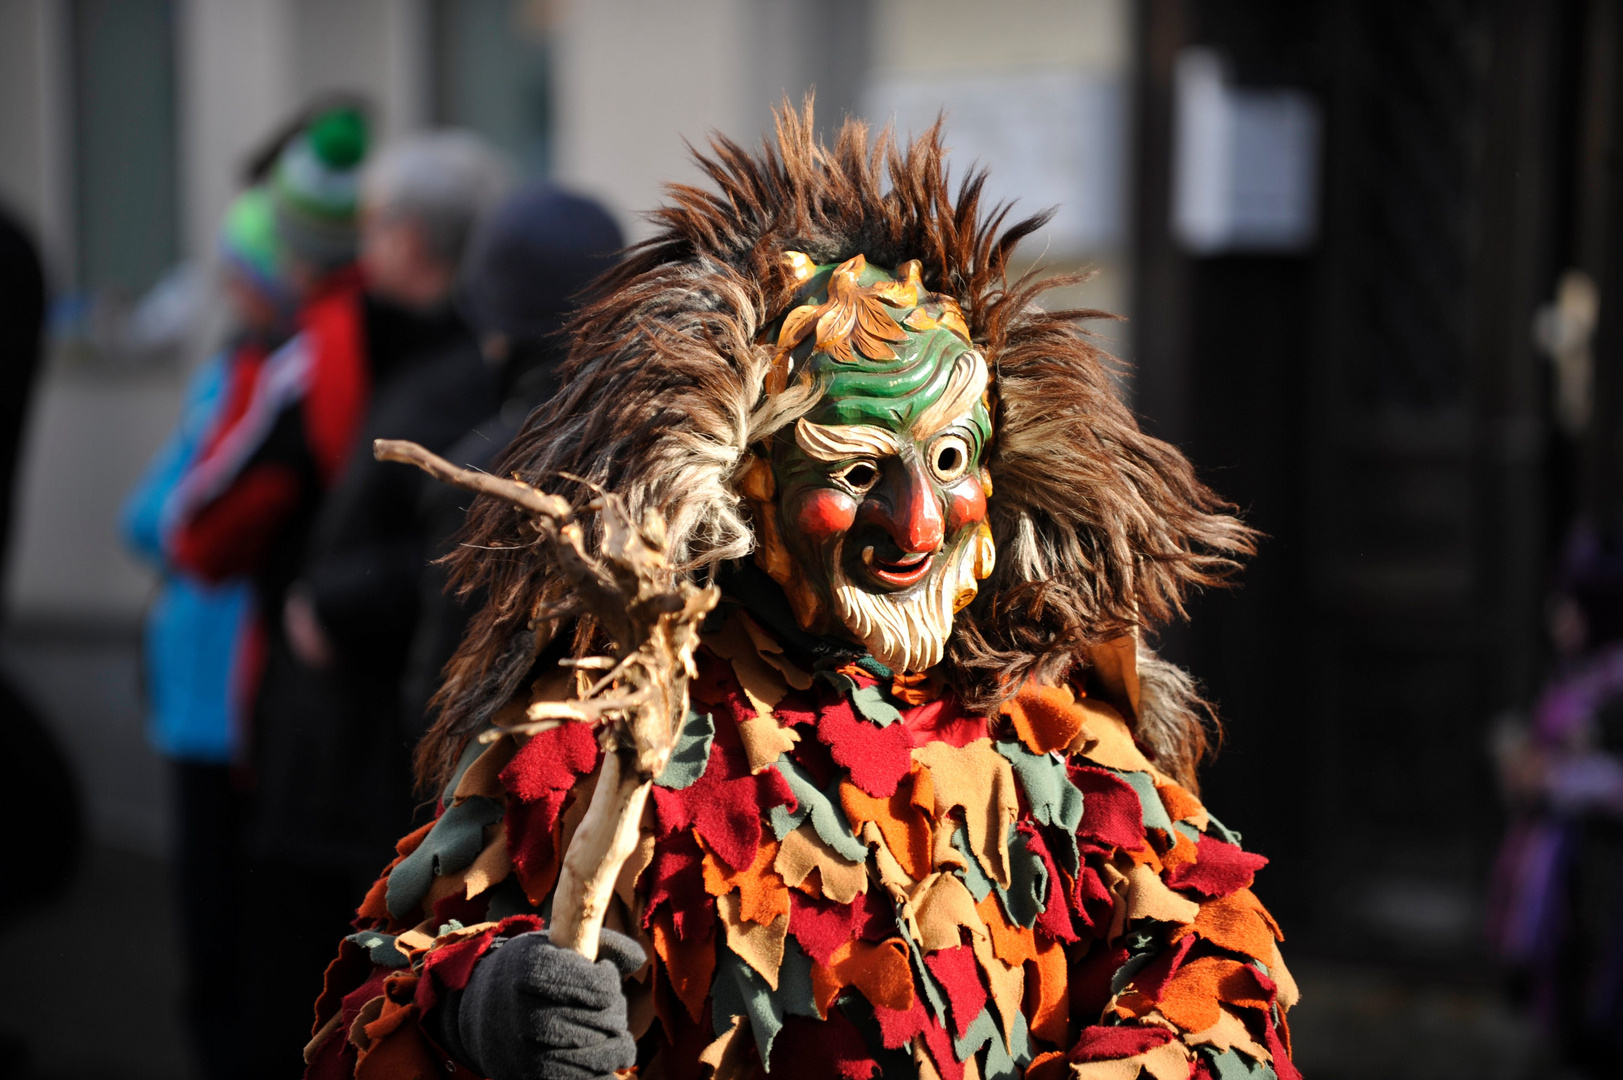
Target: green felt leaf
470, 754
1054, 799
451, 845
870, 702
1222, 831
739, 990
380, 948
999, 1063
1027, 894
692, 752
794, 982
974, 877
1234, 1065
1190, 833
1154, 811
924, 979
826, 815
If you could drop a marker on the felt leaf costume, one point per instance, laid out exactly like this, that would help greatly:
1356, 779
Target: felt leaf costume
932, 811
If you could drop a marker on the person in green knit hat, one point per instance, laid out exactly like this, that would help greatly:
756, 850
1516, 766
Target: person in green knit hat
197, 641
315, 189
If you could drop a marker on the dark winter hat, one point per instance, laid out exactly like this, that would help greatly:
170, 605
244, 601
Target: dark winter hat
530, 259
316, 188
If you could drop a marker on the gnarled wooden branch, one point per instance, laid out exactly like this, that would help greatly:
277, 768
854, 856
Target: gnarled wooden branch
652, 617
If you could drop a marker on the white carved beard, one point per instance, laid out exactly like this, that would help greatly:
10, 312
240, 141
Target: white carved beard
907, 631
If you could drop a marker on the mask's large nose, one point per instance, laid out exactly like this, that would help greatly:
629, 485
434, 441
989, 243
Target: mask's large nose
914, 518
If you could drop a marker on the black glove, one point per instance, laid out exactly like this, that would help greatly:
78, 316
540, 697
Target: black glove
533, 1011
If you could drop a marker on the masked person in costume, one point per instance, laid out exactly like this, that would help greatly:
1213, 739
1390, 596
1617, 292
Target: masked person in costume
932, 811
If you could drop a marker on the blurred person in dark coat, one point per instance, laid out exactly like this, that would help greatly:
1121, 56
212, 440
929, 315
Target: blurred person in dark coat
198, 642
41, 773
331, 752
525, 269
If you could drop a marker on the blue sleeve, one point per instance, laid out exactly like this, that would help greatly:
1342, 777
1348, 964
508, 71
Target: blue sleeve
140, 520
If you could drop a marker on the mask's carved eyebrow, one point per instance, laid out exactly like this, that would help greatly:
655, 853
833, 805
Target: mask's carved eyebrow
836, 442
964, 387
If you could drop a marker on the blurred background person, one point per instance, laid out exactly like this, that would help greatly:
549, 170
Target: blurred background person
525, 271
1556, 909
331, 752
198, 644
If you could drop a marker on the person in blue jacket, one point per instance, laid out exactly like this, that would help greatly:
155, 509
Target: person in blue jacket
200, 639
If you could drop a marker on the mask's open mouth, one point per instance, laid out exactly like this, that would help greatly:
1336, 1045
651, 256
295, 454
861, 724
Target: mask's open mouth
897, 573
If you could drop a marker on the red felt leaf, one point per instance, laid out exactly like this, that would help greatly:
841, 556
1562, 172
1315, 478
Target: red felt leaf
898, 1027
1110, 1043
551, 761
1152, 977
876, 758
530, 842
1111, 812
944, 720
449, 967
1055, 919
809, 1049
956, 971
938, 1042
1090, 979
874, 918
820, 925
1091, 901
1284, 1068
1219, 868
677, 873
726, 804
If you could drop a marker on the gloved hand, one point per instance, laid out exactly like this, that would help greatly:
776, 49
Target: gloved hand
533, 1011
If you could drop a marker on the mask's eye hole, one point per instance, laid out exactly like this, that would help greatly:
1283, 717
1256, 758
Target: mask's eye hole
860, 475
949, 457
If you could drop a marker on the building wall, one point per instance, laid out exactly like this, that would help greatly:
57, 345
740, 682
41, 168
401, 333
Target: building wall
634, 82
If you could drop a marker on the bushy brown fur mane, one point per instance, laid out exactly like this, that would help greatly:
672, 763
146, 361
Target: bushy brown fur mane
1099, 527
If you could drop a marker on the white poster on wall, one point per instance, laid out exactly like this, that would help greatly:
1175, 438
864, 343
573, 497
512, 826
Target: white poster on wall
1050, 139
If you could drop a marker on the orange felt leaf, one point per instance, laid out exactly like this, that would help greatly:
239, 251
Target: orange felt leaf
1182, 851
905, 819
690, 964
1190, 998
1236, 922
1051, 1065
881, 971
763, 894
1011, 944
1181, 806
1045, 717
915, 688
1050, 1020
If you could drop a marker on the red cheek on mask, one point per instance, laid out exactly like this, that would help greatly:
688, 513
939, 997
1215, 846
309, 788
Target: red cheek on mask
823, 514
966, 505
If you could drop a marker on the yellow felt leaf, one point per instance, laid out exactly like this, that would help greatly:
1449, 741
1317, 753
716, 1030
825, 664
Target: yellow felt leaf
730, 1057
483, 776
641, 856
765, 740
803, 851
1116, 1069
941, 906
761, 947
1229, 1033
1148, 897
763, 685
770, 651
1008, 983
1105, 739
979, 780
491, 866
